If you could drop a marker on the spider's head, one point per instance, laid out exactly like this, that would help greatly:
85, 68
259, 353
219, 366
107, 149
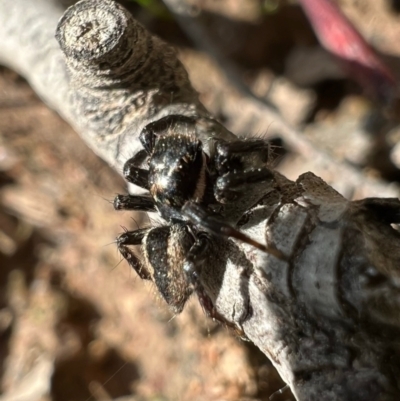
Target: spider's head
177, 173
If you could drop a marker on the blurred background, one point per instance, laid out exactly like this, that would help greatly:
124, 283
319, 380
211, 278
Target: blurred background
76, 323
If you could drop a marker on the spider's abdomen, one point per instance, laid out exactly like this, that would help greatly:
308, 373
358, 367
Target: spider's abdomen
177, 173
164, 249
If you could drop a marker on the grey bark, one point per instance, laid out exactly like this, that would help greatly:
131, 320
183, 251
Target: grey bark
327, 318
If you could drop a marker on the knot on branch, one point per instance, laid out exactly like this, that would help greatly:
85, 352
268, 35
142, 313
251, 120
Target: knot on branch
100, 39
106, 48
121, 77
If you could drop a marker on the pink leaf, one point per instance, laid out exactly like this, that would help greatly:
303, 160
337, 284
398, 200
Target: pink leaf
337, 34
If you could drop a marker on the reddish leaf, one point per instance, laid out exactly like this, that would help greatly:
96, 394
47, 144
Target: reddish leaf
337, 34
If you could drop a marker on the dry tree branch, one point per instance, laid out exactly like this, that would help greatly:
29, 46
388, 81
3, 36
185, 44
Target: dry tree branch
327, 317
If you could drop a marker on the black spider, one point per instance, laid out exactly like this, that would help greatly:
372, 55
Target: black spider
198, 195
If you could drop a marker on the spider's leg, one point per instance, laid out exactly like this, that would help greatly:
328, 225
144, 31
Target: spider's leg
202, 218
195, 258
241, 171
209, 309
386, 210
227, 148
134, 202
149, 133
240, 154
133, 238
238, 184
163, 249
134, 174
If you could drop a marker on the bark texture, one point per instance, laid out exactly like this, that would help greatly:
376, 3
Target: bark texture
327, 318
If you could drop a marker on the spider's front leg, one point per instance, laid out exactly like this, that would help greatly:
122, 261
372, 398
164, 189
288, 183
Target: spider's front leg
132, 238
240, 154
140, 177
134, 202
133, 172
241, 168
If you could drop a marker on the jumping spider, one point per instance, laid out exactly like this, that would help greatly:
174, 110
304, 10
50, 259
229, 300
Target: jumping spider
198, 195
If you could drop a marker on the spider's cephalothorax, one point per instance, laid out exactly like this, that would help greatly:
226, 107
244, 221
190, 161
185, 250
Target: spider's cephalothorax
177, 171
198, 195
